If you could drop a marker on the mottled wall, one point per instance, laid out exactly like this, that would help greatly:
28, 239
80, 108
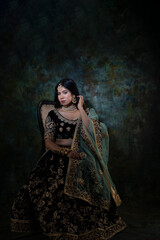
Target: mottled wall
110, 48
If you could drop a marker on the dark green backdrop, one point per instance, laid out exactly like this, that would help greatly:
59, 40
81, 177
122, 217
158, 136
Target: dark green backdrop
111, 49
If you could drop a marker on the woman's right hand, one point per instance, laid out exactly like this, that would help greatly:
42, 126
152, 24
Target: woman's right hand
74, 154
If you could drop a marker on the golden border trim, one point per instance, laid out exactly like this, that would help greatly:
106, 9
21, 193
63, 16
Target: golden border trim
63, 118
93, 148
96, 137
20, 221
106, 233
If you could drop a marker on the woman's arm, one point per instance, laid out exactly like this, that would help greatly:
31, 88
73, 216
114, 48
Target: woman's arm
53, 147
83, 114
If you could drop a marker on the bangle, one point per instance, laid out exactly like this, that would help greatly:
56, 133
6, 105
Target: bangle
65, 151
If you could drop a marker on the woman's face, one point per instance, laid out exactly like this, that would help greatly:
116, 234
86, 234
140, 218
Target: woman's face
64, 96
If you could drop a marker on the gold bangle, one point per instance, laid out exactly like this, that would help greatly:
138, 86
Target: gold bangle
65, 151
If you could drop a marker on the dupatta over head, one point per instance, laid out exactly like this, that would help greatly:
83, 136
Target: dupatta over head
89, 178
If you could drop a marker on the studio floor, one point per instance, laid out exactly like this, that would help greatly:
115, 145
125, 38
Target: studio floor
143, 223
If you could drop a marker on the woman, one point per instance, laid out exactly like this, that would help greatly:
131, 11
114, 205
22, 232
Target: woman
70, 194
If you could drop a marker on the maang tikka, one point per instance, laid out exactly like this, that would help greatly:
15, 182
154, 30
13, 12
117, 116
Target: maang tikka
59, 86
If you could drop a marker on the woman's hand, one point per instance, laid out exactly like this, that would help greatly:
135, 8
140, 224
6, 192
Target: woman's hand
81, 102
74, 154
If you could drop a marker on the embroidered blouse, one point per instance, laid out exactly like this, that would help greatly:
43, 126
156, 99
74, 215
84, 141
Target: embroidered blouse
58, 127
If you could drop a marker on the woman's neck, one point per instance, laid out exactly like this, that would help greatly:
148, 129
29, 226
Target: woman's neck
69, 108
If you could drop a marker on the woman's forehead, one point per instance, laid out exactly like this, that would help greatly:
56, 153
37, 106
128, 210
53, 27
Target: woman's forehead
61, 88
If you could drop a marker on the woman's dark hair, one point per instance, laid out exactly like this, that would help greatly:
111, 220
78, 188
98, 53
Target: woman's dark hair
70, 85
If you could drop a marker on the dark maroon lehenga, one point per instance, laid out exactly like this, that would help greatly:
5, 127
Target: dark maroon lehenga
41, 204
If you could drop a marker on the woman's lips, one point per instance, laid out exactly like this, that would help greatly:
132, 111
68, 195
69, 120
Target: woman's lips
62, 101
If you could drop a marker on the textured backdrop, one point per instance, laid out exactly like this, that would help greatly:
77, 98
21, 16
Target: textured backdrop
110, 48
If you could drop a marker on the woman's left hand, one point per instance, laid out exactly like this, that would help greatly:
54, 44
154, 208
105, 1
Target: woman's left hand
81, 102
74, 155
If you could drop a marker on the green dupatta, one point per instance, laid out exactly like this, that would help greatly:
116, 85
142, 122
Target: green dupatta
89, 178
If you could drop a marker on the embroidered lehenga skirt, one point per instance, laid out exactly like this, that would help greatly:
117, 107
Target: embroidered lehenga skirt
41, 204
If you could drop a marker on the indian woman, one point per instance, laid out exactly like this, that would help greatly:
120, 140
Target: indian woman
70, 194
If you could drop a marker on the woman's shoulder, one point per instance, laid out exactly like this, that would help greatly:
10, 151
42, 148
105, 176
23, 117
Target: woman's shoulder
90, 110
52, 112
92, 113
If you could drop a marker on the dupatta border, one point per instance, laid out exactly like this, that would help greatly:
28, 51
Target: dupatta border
97, 134
98, 140
71, 178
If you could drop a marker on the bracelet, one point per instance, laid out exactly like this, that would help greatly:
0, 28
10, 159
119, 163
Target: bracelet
65, 151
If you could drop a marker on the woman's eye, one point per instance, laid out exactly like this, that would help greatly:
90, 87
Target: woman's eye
65, 92
59, 94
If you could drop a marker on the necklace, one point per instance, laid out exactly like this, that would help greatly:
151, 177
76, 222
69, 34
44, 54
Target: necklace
71, 108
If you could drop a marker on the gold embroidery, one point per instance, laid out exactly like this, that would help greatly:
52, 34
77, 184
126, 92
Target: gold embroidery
97, 134
116, 197
18, 225
80, 181
69, 188
87, 140
85, 196
60, 129
19, 220
96, 234
46, 195
49, 128
62, 124
68, 129
63, 118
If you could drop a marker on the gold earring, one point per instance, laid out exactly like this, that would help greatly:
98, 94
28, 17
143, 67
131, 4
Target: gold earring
74, 99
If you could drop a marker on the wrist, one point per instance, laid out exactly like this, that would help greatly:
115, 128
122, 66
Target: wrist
81, 108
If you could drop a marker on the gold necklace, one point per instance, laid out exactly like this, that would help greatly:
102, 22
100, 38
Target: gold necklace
71, 108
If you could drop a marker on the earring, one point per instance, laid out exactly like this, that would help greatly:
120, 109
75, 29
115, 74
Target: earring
74, 99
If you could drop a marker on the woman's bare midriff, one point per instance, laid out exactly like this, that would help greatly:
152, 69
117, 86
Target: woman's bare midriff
64, 142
